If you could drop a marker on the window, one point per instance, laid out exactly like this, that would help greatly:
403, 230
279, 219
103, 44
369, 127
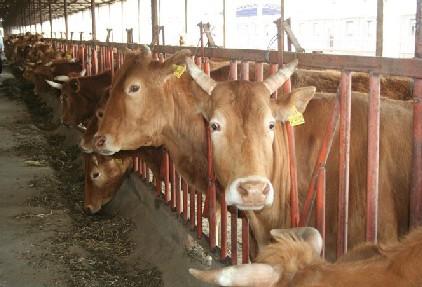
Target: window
370, 27
350, 27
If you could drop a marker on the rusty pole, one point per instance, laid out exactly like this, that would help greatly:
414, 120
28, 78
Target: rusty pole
50, 18
344, 156
373, 158
154, 19
380, 27
416, 189
94, 27
66, 24
39, 6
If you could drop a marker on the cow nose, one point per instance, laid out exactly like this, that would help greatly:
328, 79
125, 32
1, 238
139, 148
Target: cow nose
254, 188
95, 175
100, 141
250, 193
89, 209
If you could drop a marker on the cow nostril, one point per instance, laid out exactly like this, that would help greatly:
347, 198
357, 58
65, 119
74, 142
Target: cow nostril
242, 191
89, 209
95, 175
266, 189
100, 141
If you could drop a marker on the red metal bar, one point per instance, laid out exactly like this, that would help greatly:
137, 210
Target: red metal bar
185, 200
135, 163
294, 201
273, 70
320, 206
211, 193
245, 239
344, 157
166, 175
233, 218
178, 194
245, 71
199, 214
173, 185
146, 173
373, 158
416, 189
321, 161
259, 72
192, 207
233, 70
95, 59
223, 229
207, 69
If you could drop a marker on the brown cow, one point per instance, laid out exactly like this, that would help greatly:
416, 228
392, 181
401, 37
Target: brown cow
294, 261
149, 106
80, 96
105, 174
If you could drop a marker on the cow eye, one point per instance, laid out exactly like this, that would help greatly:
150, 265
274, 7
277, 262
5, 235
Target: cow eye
215, 127
271, 126
134, 88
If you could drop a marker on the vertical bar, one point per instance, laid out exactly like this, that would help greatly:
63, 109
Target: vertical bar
198, 214
95, 59
211, 194
178, 194
50, 18
259, 72
154, 19
273, 70
135, 163
233, 218
416, 189
223, 229
186, 16
344, 156
245, 71
166, 175
373, 158
245, 239
39, 5
294, 197
289, 42
233, 70
173, 185
185, 200
380, 28
93, 22
320, 203
66, 24
192, 207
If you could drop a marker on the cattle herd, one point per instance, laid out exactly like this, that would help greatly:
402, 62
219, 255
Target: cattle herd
150, 105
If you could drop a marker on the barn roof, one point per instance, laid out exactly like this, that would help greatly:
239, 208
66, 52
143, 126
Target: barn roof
14, 12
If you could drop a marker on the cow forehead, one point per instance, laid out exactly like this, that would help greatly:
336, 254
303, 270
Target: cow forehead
241, 99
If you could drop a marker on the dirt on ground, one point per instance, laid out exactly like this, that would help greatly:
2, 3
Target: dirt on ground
45, 238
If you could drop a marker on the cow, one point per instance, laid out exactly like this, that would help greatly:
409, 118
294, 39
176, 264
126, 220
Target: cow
149, 106
105, 174
80, 96
293, 260
51, 70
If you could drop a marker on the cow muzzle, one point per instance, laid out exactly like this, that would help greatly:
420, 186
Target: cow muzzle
104, 145
250, 193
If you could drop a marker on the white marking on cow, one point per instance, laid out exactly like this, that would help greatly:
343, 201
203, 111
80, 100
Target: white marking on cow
54, 84
62, 78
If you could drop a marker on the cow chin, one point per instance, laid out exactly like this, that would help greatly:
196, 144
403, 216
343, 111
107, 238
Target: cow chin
253, 199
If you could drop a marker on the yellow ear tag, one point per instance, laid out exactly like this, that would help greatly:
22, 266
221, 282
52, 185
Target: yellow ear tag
179, 70
296, 118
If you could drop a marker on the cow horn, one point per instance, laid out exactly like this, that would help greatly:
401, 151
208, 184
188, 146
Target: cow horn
203, 80
275, 81
54, 84
240, 275
48, 64
62, 78
83, 73
308, 234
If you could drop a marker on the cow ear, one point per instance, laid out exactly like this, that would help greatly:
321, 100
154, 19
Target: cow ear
307, 234
176, 64
245, 275
292, 103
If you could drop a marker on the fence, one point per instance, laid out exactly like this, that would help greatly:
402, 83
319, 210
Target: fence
189, 204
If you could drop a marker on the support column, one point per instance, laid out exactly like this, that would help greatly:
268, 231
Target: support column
94, 27
380, 27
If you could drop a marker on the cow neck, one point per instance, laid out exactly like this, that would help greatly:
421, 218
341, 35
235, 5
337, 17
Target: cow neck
278, 214
184, 134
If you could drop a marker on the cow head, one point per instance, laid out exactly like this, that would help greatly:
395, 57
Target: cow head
103, 177
86, 143
276, 265
134, 115
243, 122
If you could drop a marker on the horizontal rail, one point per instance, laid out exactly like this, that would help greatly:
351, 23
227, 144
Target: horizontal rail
411, 67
